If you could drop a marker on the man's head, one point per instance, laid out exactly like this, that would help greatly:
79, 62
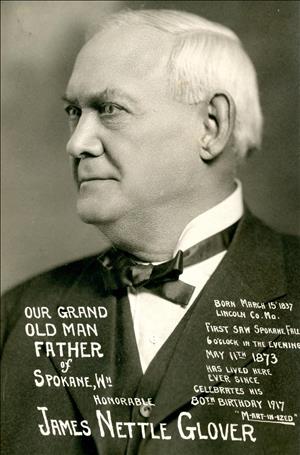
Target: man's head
160, 103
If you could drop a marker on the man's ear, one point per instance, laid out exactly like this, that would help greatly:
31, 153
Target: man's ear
219, 125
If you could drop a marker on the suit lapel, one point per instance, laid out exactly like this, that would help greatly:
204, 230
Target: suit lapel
252, 269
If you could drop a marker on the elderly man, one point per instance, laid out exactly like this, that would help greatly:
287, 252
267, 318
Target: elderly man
181, 338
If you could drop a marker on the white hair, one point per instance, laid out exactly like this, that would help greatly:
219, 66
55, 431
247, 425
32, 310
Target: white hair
206, 58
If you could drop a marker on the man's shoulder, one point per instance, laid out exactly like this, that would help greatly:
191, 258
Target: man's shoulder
278, 249
43, 290
61, 276
290, 244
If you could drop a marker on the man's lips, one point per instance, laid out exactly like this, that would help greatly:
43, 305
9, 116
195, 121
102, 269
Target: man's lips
93, 179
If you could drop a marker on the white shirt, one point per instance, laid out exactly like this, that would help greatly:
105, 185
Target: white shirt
155, 318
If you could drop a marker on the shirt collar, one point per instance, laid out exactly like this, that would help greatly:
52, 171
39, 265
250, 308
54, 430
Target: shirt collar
214, 220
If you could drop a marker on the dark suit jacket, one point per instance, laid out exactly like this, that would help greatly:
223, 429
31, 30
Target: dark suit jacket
261, 267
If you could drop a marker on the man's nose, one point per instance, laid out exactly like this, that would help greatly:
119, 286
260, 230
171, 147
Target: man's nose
85, 140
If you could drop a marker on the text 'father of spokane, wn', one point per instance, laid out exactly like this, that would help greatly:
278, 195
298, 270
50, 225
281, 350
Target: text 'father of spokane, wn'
161, 105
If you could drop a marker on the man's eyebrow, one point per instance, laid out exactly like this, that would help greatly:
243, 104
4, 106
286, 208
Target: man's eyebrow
69, 99
94, 99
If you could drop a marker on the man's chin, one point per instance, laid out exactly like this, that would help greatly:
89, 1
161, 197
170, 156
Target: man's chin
96, 214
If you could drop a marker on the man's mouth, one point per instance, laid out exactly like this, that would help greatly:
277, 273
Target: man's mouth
94, 179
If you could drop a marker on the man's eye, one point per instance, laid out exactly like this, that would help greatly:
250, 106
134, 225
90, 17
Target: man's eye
73, 112
109, 109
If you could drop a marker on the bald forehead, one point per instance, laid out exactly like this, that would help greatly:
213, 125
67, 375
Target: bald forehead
141, 48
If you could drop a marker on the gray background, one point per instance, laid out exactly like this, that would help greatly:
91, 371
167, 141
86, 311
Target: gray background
40, 40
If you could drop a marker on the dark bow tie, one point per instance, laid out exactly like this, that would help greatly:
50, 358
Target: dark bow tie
120, 270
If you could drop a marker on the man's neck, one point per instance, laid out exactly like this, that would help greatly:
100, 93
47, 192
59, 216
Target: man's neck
153, 236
